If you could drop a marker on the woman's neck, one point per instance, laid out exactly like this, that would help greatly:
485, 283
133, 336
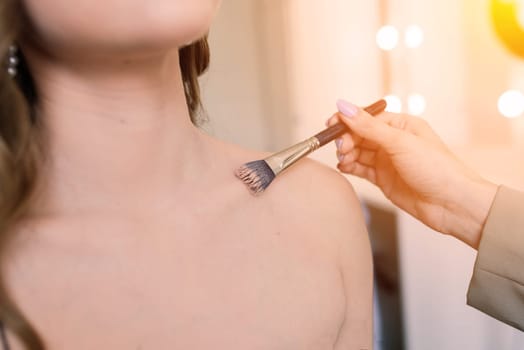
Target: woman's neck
115, 133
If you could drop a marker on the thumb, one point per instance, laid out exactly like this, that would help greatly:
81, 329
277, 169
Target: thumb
366, 126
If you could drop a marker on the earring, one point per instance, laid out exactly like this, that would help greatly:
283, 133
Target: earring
12, 61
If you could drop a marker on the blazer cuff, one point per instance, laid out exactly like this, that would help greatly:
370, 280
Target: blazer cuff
497, 285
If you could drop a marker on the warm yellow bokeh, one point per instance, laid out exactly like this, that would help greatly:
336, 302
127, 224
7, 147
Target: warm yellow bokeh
508, 19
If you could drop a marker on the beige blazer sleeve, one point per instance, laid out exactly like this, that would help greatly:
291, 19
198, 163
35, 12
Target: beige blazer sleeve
497, 285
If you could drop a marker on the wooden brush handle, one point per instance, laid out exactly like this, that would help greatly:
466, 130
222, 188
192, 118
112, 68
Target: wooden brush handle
340, 129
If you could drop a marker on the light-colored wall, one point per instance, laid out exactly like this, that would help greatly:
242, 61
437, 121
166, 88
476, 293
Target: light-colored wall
245, 91
232, 88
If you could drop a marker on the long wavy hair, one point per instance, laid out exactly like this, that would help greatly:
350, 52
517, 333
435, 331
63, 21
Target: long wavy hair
20, 148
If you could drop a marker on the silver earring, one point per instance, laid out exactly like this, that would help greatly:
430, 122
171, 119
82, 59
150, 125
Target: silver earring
12, 61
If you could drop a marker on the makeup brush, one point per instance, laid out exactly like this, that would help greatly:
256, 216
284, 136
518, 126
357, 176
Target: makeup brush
259, 174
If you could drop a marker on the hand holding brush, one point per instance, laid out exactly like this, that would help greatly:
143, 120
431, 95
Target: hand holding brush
259, 174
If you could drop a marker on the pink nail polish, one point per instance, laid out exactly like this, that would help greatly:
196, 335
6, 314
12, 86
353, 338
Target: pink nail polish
340, 157
339, 142
347, 109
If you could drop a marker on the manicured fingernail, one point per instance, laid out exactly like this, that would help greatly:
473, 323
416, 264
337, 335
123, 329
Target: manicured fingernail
340, 157
339, 142
347, 109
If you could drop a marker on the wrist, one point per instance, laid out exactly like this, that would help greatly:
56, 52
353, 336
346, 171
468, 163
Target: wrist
470, 209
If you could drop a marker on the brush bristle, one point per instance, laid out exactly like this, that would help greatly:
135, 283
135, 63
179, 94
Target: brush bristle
256, 175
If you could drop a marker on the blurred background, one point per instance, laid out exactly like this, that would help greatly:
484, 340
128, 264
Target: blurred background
277, 69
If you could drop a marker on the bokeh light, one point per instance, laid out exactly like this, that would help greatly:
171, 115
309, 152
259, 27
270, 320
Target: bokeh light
394, 104
413, 37
387, 38
508, 20
511, 104
416, 104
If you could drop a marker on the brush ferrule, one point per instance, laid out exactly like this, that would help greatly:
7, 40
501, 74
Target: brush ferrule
282, 160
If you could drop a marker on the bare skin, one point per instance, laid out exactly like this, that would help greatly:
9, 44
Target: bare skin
142, 238
213, 268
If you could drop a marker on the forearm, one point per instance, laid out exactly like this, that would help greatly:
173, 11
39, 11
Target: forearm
469, 209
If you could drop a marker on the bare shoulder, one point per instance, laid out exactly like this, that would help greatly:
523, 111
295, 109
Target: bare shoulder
315, 218
323, 195
309, 192
324, 188
308, 196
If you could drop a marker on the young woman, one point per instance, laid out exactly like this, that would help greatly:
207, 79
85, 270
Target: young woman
122, 225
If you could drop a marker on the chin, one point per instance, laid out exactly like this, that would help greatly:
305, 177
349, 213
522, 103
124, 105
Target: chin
119, 25
177, 23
